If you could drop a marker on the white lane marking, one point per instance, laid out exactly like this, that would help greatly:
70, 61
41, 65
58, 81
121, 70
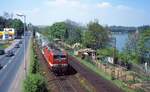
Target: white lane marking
6, 73
4, 67
18, 77
11, 59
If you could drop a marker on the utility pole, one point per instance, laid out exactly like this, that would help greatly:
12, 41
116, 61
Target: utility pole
25, 65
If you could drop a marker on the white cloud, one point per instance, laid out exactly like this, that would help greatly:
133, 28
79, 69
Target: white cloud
64, 9
121, 14
104, 5
65, 3
123, 7
51, 11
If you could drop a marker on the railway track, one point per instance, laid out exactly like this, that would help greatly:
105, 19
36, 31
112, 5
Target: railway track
100, 84
66, 84
58, 83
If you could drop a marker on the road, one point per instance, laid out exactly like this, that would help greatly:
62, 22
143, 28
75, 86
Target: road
11, 66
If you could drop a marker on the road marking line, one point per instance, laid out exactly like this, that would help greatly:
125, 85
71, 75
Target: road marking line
18, 77
5, 66
11, 59
6, 73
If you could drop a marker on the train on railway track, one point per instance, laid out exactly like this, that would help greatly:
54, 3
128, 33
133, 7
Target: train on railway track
56, 58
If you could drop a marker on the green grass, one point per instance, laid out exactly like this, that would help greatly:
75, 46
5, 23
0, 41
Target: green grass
31, 54
3, 46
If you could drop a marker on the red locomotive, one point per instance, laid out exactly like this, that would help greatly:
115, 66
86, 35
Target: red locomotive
56, 58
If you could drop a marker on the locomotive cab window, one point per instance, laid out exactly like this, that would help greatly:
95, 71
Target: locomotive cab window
56, 56
63, 56
59, 57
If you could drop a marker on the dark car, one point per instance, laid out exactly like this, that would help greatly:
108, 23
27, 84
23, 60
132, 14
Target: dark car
17, 46
18, 37
10, 53
1, 66
2, 51
20, 42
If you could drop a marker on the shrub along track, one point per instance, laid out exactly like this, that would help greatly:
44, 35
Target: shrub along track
65, 83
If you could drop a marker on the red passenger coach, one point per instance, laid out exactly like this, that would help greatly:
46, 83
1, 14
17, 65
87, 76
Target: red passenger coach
56, 58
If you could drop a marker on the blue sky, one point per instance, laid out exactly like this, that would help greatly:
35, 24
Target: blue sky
110, 12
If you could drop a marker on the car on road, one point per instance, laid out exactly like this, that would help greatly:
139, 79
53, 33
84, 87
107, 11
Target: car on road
17, 46
20, 42
18, 37
1, 66
2, 51
10, 53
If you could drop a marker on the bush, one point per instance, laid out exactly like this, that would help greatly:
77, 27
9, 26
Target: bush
34, 83
34, 67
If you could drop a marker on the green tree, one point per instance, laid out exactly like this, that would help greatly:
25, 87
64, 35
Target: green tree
57, 30
96, 36
67, 31
144, 46
2, 22
74, 36
131, 50
18, 25
73, 33
137, 48
106, 52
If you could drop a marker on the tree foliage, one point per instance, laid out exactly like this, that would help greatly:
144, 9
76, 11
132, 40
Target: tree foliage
96, 36
144, 46
130, 50
137, 48
2, 22
106, 52
34, 83
73, 33
67, 31
18, 25
57, 30
7, 21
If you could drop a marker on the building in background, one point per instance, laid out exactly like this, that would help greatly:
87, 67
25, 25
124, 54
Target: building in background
7, 34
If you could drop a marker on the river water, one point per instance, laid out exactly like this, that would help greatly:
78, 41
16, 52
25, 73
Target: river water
121, 40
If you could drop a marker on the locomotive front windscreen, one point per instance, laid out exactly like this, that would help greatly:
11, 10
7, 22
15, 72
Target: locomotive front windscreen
59, 57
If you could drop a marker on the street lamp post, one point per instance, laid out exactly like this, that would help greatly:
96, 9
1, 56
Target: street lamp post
24, 17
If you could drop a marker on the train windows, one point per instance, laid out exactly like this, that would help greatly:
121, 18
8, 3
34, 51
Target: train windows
63, 56
59, 56
56, 56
